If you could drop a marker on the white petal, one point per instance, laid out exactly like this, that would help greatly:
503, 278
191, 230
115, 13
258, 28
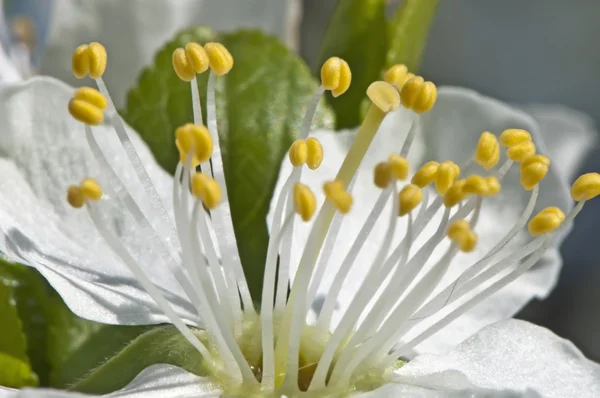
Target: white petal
569, 135
513, 355
156, 381
44, 151
6, 392
394, 390
134, 30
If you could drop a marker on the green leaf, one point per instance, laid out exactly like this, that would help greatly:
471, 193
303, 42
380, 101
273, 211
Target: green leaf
14, 363
356, 33
260, 105
76, 345
16, 373
408, 32
29, 291
164, 345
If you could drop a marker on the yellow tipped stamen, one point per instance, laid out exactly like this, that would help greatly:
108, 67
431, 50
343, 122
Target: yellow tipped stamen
197, 57
455, 194
426, 174
220, 60
533, 170
511, 137
207, 190
336, 193
521, 151
298, 153
182, 65
459, 232
75, 196
399, 166
586, 187
446, 173
314, 153
89, 59
80, 62
384, 96
192, 134
90, 189
475, 185
382, 175
87, 106
305, 202
546, 221
418, 95
487, 153
336, 76
397, 75
408, 198
493, 186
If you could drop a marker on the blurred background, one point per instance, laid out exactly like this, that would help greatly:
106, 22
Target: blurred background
536, 51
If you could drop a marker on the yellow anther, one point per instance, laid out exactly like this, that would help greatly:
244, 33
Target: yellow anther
455, 194
90, 189
459, 232
400, 166
91, 96
487, 153
546, 221
409, 197
475, 185
493, 186
182, 66
447, 172
98, 58
80, 63
511, 137
418, 95
521, 151
305, 202
336, 193
533, 170
336, 76
197, 57
586, 187
75, 196
382, 175
206, 189
397, 75
87, 106
384, 96
426, 174
314, 153
298, 153
219, 58
192, 134
89, 58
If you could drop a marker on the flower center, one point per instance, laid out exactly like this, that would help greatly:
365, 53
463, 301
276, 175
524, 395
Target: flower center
279, 352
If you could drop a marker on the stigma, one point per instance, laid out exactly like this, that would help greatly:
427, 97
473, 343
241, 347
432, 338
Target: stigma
271, 349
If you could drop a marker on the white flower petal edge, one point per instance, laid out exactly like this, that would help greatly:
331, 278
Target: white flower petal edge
512, 355
136, 29
156, 381
42, 151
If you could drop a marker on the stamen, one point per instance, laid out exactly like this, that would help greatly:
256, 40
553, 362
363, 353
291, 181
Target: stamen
150, 288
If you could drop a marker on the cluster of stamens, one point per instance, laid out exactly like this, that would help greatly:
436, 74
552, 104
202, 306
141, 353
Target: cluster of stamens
274, 349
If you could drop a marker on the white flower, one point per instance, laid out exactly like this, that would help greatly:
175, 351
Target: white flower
135, 29
144, 250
